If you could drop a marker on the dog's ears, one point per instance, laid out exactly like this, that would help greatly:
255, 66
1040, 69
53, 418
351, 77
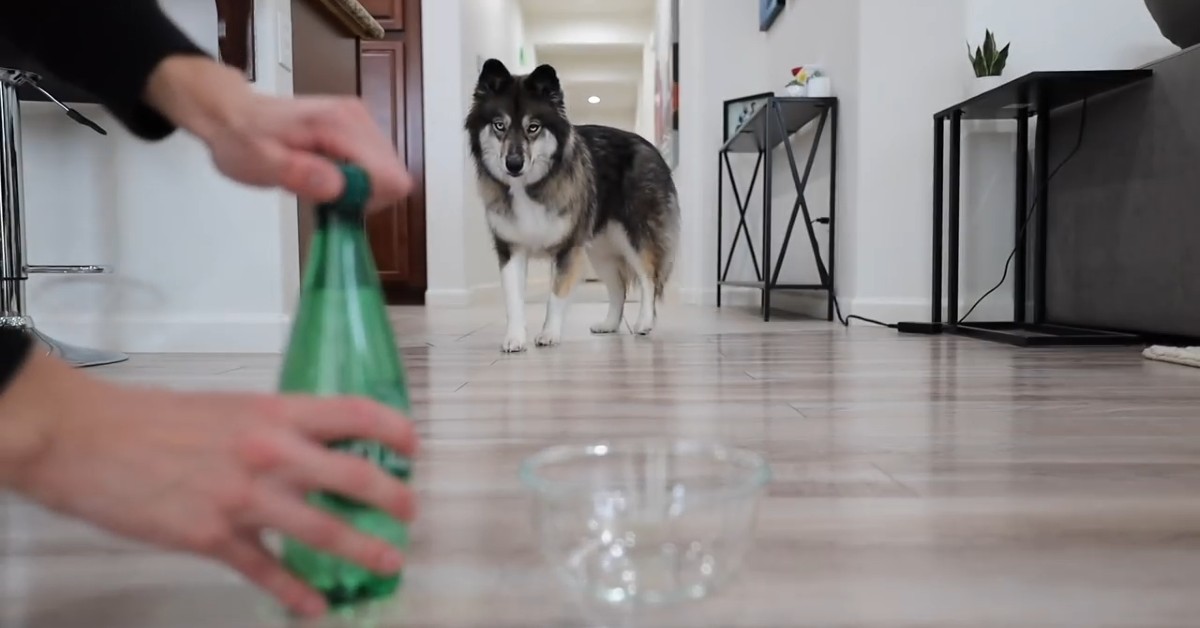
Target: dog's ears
543, 81
494, 78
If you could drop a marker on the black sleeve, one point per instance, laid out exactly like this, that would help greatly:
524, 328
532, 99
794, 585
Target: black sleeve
106, 47
15, 344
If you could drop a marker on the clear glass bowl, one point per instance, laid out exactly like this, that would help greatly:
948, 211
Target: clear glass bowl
645, 523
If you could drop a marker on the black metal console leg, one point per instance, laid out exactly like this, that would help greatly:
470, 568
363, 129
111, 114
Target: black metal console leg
766, 218
720, 220
955, 207
1038, 221
1021, 209
937, 242
833, 142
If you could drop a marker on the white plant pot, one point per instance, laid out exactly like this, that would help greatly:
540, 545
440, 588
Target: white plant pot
981, 84
795, 90
977, 86
820, 87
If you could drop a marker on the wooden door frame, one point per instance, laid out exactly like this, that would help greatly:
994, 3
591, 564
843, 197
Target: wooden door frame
415, 161
414, 93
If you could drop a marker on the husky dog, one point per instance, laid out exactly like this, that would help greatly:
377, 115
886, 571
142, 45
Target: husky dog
560, 191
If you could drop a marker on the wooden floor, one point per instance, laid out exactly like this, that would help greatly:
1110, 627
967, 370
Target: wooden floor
919, 482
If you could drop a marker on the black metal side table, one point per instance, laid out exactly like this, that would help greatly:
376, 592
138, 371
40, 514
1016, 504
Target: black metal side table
1037, 94
771, 125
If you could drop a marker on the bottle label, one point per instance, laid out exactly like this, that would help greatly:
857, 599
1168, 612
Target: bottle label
397, 465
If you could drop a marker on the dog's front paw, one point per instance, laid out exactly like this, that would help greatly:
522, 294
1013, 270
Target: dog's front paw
606, 327
643, 329
513, 343
547, 339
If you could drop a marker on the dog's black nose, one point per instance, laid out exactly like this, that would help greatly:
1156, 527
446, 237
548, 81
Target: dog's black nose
514, 163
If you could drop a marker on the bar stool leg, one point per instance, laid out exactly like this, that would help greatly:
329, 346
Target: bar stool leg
14, 272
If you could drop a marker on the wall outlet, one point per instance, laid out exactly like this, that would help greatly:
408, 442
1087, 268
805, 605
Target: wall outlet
283, 37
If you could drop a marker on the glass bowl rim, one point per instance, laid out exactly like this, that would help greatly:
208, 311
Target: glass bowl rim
755, 463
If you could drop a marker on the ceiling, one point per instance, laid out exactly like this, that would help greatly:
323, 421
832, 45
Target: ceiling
596, 47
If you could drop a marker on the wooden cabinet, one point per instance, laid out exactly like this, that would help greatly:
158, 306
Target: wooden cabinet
390, 85
389, 13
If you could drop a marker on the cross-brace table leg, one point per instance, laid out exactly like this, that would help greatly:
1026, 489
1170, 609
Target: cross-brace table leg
801, 203
743, 204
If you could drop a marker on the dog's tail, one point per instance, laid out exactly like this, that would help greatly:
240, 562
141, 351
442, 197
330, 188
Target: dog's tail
657, 262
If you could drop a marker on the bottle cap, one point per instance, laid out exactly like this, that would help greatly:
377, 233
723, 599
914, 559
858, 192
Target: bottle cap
357, 191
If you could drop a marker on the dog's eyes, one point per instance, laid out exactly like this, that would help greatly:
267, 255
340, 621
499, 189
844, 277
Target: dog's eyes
498, 125
533, 128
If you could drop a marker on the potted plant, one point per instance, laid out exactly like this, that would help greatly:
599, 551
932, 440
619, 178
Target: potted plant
988, 63
818, 85
798, 86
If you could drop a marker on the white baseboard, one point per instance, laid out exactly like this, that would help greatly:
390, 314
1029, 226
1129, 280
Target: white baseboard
457, 297
218, 333
488, 293
813, 303
804, 303
887, 310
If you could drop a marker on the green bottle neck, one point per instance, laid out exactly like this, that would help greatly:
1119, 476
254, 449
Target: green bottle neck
341, 256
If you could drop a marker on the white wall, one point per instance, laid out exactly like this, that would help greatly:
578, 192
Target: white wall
643, 117
461, 34
885, 146
709, 74
201, 264
887, 235
1074, 35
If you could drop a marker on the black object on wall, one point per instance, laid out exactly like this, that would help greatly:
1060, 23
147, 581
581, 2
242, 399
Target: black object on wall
1123, 251
768, 12
1178, 20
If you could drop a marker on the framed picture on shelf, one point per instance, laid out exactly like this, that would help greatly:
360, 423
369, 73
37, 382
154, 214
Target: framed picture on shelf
768, 11
739, 110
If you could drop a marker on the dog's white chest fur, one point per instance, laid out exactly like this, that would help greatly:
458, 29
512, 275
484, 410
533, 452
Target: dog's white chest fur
530, 225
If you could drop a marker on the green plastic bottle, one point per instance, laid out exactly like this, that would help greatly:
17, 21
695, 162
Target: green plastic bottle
342, 344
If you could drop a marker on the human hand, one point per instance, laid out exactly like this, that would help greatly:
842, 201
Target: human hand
204, 473
266, 140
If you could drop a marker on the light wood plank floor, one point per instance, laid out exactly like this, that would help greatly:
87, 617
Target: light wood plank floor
919, 482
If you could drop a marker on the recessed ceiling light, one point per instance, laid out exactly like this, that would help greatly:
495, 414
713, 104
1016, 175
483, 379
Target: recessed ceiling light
594, 99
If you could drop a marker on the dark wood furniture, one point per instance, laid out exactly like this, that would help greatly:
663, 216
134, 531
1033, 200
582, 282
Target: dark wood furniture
391, 87
386, 74
1050, 96
389, 13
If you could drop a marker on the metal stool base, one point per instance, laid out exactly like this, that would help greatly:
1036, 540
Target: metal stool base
13, 268
80, 357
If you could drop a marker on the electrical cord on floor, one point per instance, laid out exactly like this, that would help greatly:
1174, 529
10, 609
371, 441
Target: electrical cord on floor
1032, 208
845, 320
